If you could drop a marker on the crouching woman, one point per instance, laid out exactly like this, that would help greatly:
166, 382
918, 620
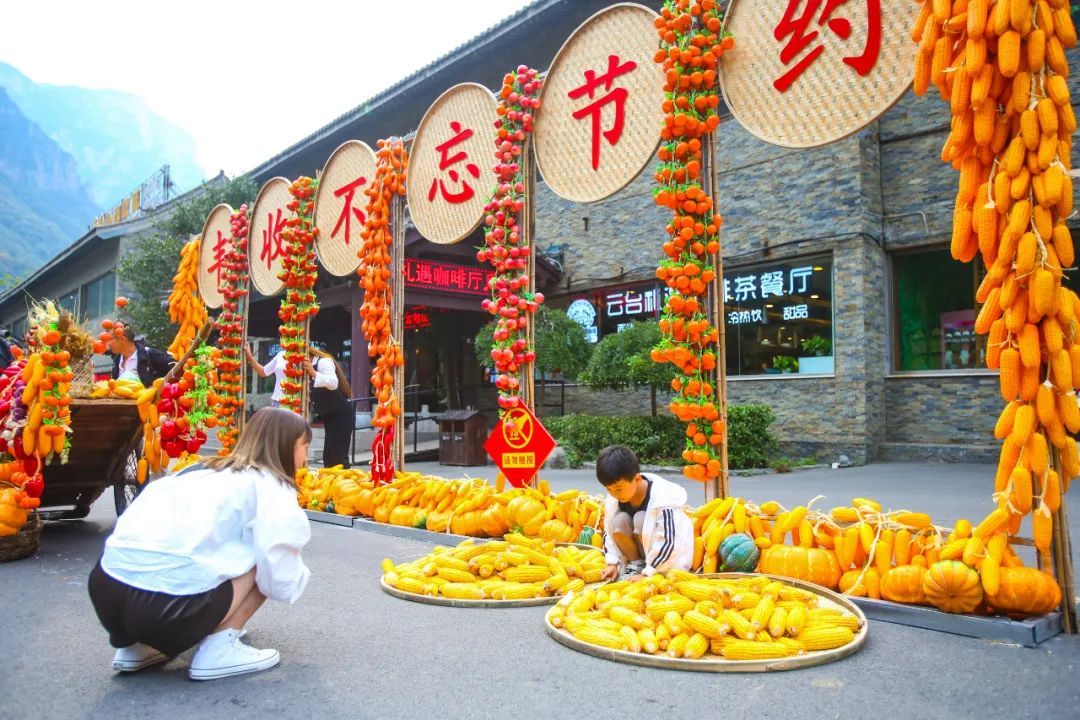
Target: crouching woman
197, 553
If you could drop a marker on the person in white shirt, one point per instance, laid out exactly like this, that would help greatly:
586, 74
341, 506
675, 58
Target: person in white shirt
198, 552
331, 397
275, 367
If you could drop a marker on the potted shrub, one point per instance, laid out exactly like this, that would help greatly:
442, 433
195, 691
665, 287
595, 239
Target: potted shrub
818, 359
785, 364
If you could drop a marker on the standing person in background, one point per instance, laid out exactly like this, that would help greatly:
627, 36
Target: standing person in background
331, 394
275, 367
135, 359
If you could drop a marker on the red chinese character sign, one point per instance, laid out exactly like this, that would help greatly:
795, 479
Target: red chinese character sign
339, 206
519, 445
265, 246
805, 73
213, 255
600, 120
450, 174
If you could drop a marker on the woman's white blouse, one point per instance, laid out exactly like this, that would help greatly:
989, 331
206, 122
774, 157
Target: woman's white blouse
188, 533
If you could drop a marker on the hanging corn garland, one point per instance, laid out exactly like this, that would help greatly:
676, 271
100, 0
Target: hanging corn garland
690, 47
1002, 68
186, 307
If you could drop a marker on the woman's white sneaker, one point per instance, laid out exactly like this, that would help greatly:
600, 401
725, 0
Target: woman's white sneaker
136, 657
223, 655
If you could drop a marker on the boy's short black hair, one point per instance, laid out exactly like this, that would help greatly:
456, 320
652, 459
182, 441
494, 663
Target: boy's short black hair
615, 463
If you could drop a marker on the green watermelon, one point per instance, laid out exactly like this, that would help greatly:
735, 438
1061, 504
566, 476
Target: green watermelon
585, 538
738, 553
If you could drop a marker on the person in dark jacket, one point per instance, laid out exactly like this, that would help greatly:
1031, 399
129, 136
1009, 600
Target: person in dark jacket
132, 357
330, 395
6, 356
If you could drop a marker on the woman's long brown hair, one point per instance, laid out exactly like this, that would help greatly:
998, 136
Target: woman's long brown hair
268, 443
342, 382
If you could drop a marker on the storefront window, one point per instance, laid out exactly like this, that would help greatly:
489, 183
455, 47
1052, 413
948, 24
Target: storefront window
99, 296
778, 317
935, 313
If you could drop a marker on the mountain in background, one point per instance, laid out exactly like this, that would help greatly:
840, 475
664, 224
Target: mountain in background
44, 204
116, 140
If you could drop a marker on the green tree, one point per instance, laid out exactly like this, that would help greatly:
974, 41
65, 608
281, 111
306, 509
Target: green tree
561, 346
622, 361
149, 267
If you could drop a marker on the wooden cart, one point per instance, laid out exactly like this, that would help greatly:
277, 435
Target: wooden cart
106, 438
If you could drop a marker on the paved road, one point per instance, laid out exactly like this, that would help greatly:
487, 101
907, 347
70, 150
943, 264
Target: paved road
349, 650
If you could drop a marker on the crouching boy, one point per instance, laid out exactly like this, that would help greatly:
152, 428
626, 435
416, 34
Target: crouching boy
647, 530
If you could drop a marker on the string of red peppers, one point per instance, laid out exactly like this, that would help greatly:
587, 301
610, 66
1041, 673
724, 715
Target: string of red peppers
690, 47
230, 327
511, 302
299, 273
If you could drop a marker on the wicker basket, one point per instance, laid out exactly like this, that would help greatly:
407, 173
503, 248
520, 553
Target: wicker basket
25, 543
82, 378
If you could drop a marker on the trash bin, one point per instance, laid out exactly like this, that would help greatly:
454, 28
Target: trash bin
462, 434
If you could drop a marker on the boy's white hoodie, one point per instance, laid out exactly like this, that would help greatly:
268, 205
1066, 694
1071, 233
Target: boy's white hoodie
667, 535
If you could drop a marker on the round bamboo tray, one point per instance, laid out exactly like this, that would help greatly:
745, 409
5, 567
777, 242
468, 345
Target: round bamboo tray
462, 603
216, 243
711, 663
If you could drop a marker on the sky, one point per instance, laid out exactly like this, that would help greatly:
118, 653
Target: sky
233, 72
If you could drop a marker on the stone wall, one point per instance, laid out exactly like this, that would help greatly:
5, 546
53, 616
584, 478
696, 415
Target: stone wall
942, 409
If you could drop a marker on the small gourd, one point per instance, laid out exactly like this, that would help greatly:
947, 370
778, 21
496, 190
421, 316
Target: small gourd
739, 553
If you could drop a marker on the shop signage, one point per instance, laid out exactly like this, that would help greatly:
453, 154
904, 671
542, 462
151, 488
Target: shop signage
447, 277
583, 313
805, 73
417, 318
214, 247
519, 445
339, 206
446, 188
767, 284
602, 105
265, 249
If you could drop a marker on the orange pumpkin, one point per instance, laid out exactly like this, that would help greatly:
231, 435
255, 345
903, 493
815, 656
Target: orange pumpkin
527, 515
868, 586
437, 521
904, 584
558, 531
953, 587
811, 564
12, 517
493, 520
1025, 591
402, 515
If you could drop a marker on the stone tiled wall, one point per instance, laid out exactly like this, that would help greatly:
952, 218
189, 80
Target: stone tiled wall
959, 409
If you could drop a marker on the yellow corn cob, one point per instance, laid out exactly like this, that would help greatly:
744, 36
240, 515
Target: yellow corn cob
674, 623
677, 646
749, 650
659, 605
527, 574
464, 591
522, 541
826, 638
744, 600
663, 636
647, 640
597, 636
798, 594
778, 622
626, 616
446, 560
843, 514
716, 645
516, 591
626, 601
455, 575
763, 612
696, 646
406, 584
796, 620
705, 625
739, 624
574, 586
592, 575
708, 608
697, 590
846, 621
630, 638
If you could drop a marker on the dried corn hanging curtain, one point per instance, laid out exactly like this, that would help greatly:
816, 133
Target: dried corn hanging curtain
230, 326
298, 303
376, 313
506, 243
690, 47
1001, 66
186, 307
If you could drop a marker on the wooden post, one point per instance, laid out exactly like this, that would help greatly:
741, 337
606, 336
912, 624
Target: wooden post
717, 487
528, 221
397, 320
1061, 555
